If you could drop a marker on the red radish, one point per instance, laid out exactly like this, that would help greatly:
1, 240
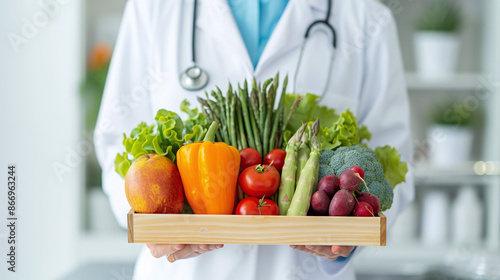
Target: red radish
348, 180
363, 209
342, 203
372, 200
329, 184
358, 170
320, 203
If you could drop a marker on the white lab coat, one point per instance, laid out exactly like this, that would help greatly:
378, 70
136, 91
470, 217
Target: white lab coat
154, 47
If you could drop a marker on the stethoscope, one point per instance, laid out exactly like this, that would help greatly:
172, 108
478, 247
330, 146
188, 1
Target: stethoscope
194, 78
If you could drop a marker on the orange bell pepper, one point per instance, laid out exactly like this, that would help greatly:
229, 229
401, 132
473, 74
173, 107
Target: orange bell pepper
209, 173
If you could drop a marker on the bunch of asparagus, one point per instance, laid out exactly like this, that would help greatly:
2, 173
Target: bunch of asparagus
247, 117
300, 171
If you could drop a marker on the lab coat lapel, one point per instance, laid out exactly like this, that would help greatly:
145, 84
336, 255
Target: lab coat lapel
288, 33
218, 22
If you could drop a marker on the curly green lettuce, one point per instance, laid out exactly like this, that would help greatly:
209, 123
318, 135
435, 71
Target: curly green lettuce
335, 131
165, 137
195, 117
345, 132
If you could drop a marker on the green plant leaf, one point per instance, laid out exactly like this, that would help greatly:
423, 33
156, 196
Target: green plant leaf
122, 164
441, 15
307, 111
194, 118
164, 116
335, 130
364, 134
344, 132
197, 135
164, 137
394, 169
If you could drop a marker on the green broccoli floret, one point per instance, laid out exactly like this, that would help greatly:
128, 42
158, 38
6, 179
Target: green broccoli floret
334, 162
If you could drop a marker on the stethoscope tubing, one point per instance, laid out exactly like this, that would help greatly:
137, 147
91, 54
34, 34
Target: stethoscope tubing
193, 78
326, 23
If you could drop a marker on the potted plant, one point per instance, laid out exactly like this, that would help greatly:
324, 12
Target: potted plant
436, 41
451, 135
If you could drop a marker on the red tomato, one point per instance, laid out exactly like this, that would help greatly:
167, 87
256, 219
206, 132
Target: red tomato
277, 157
249, 157
255, 206
259, 180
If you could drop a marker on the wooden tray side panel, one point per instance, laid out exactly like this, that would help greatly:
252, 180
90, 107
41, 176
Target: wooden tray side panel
236, 229
130, 226
383, 229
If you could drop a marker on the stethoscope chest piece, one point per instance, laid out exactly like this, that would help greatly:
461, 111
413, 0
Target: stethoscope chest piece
194, 78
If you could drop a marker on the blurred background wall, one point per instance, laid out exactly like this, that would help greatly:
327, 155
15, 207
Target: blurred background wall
41, 66
51, 80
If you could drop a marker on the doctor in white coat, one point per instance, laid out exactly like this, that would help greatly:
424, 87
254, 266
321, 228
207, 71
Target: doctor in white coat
154, 48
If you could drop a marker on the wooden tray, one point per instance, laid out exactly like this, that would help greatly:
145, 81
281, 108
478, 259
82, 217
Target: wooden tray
238, 229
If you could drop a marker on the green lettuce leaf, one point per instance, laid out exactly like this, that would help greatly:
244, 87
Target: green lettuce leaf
394, 169
344, 132
170, 121
308, 110
165, 137
195, 123
364, 134
122, 164
335, 130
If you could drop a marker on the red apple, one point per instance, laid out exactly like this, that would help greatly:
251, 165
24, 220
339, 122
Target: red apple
153, 185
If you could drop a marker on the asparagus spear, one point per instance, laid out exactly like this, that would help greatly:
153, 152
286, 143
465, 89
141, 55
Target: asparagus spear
231, 116
303, 154
254, 102
274, 130
217, 117
262, 108
304, 150
276, 81
308, 178
220, 100
227, 107
281, 105
278, 119
241, 128
280, 128
256, 136
267, 122
235, 124
266, 84
220, 135
254, 105
221, 112
246, 116
211, 117
292, 111
287, 184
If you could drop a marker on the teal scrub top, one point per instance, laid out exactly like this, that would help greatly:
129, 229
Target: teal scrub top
256, 20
